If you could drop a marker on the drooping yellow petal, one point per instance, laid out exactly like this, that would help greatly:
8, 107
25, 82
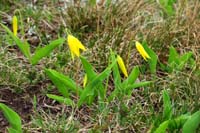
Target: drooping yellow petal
122, 66
85, 80
15, 26
142, 51
75, 45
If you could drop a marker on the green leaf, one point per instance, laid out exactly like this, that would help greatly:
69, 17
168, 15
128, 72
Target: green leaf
88, 68
12, 117
178, 122
42, 52
154, 58
167, 113
62, 82
129, 88
23, 46
116, 73
88, 90
90, 75
95, 81
173, 59
11, 130
136, 85
61, 99
183, 59
192, 123
162, 127
132, 77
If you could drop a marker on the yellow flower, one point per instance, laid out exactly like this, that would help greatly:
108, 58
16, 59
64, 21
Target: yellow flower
142, 51
122, 66
74, 45
15, 27
85, 80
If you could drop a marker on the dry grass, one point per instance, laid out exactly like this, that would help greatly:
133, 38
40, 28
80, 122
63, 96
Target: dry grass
102, 29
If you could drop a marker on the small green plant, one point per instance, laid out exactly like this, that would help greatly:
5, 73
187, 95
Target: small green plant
154, 58
176, 61
13, 118
92, 89
24, 46
125, 87
95, 86
188, 123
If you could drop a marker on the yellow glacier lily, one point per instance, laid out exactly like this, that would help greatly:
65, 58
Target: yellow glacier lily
15, 26
74, 45
122, 66
142, 51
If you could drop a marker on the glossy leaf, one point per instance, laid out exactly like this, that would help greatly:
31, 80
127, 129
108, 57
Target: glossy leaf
97, 80
192, 123
61, 99
162, 127
62, 82
12, 117
42, 52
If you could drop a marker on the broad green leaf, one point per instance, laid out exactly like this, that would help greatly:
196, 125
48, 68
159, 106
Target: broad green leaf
11, 130
42, 52
136, 85
62, 82
12, 117
88, 68
183, 60
23, 46
132, 77
91, 74
97, 80
173, 57
167, 112
61, 99
129, 89
192, 123
178, 122
88, 90
154, 58
162, 127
